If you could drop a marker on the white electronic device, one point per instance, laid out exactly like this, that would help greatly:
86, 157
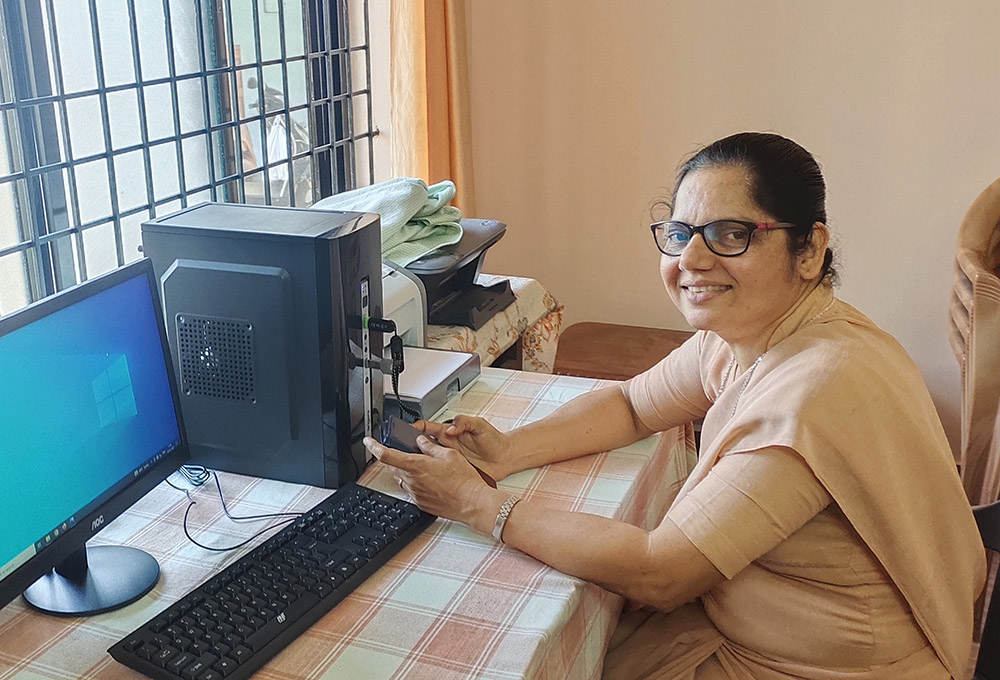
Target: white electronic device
405, 303
430, 379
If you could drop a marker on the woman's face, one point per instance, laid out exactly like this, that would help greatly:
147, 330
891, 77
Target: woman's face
742, 298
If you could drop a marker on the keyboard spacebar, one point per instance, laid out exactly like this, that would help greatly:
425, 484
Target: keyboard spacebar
282, 622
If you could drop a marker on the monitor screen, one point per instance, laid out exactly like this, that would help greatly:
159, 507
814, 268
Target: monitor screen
88, 424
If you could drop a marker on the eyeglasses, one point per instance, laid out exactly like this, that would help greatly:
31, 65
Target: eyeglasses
727, 238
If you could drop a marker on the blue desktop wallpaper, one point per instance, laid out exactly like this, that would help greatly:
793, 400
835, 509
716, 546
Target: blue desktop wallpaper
84, 401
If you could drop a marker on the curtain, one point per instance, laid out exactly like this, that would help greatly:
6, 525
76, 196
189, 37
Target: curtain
430, 127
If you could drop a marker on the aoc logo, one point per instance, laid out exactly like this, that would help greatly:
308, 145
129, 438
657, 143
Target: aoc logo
97, 523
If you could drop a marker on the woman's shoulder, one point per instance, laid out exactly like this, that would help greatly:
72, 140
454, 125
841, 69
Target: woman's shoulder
846, 339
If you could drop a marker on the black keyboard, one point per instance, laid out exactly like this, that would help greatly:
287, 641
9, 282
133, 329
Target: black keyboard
229, 626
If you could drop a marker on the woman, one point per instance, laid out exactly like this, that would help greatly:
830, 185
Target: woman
824, 532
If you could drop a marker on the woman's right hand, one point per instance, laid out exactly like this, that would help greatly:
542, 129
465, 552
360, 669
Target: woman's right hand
486, 447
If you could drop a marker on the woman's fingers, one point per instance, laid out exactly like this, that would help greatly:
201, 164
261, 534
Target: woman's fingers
432, 447
461, 425
391, 457
432, 429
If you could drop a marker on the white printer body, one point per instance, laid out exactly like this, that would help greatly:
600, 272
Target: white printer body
405, 302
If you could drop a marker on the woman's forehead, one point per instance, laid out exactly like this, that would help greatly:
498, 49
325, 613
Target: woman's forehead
715, 189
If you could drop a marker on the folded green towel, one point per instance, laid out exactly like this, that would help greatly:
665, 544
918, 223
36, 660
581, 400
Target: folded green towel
416, 219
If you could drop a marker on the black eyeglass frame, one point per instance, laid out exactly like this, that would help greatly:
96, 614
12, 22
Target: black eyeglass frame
750, 226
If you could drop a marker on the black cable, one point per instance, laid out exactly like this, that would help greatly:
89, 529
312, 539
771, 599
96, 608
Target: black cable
396, 352
167, 480
271, 515
196, 474
203, 473
191, 538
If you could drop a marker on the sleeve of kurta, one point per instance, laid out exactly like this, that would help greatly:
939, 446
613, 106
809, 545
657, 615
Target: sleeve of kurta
747, 505
672, 392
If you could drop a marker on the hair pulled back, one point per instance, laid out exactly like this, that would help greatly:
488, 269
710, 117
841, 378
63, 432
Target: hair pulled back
785, 181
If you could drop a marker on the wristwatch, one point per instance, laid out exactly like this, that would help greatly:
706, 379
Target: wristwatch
502, 516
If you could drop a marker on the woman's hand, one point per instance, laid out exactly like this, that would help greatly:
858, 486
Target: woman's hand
486, 447
442, 482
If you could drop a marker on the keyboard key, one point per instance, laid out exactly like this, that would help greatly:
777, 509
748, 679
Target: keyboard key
164, 656
200, 665
179, 662
225, 666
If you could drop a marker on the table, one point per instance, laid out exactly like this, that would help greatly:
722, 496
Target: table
532, 323
452, 604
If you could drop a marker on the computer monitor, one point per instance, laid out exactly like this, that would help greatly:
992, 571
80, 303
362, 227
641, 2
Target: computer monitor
89, 423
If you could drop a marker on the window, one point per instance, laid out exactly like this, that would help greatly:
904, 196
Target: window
116, 111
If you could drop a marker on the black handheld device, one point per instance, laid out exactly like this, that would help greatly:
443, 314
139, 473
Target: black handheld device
400, 435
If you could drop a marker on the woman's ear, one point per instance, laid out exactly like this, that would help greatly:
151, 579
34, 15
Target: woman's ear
810, 262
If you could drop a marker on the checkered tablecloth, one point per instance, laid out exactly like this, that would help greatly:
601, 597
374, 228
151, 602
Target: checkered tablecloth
452, 604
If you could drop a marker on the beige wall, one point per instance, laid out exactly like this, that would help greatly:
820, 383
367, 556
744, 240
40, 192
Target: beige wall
582, 110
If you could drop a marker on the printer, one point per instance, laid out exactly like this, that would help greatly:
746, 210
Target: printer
440, 289
449, 278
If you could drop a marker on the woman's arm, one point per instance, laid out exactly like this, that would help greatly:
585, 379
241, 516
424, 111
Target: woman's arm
593, 422
661, 568
596, 421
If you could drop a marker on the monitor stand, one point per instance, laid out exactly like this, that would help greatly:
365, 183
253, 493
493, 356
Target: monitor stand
95, 580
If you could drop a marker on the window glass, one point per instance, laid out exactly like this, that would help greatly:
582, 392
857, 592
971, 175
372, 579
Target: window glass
76, 45
159, 107
130, 177
123, 117
14, 291
86, 126
128, 108
115, 30
99, 244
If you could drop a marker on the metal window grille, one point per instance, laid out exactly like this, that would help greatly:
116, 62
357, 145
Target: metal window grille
115, 111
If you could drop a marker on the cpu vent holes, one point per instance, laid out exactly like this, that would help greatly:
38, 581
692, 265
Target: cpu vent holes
216, 357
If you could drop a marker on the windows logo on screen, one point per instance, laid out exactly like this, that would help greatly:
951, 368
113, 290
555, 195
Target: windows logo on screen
113, 393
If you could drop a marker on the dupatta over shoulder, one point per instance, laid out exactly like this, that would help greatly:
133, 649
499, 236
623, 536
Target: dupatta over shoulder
846, 397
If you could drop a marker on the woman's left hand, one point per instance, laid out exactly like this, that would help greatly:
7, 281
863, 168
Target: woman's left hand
442, 482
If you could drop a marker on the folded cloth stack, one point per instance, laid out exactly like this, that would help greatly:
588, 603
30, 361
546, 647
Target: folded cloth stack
416, 219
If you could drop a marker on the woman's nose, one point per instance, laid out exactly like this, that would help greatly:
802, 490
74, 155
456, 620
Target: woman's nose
696, 255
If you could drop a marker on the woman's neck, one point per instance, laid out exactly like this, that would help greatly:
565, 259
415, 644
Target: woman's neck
748, 350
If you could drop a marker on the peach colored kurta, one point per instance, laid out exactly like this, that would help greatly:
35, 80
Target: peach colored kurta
827, 495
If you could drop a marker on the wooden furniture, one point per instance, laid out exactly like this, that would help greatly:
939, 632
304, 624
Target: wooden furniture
613, 352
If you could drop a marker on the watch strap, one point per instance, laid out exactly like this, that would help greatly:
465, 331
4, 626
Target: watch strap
502, 516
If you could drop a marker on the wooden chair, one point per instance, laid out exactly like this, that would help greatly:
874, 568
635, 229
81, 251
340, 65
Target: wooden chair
988, 661
611, 351
974, 334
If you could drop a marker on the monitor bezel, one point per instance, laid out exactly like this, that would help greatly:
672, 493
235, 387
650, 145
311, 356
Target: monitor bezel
91, 524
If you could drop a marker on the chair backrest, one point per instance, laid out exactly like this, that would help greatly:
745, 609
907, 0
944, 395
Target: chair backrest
974, 333
988, 661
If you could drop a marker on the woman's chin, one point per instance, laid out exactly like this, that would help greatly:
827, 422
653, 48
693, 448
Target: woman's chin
701, 321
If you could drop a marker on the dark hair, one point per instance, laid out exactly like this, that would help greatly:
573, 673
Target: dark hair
785, 181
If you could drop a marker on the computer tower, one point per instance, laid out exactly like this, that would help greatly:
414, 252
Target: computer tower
265, 311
